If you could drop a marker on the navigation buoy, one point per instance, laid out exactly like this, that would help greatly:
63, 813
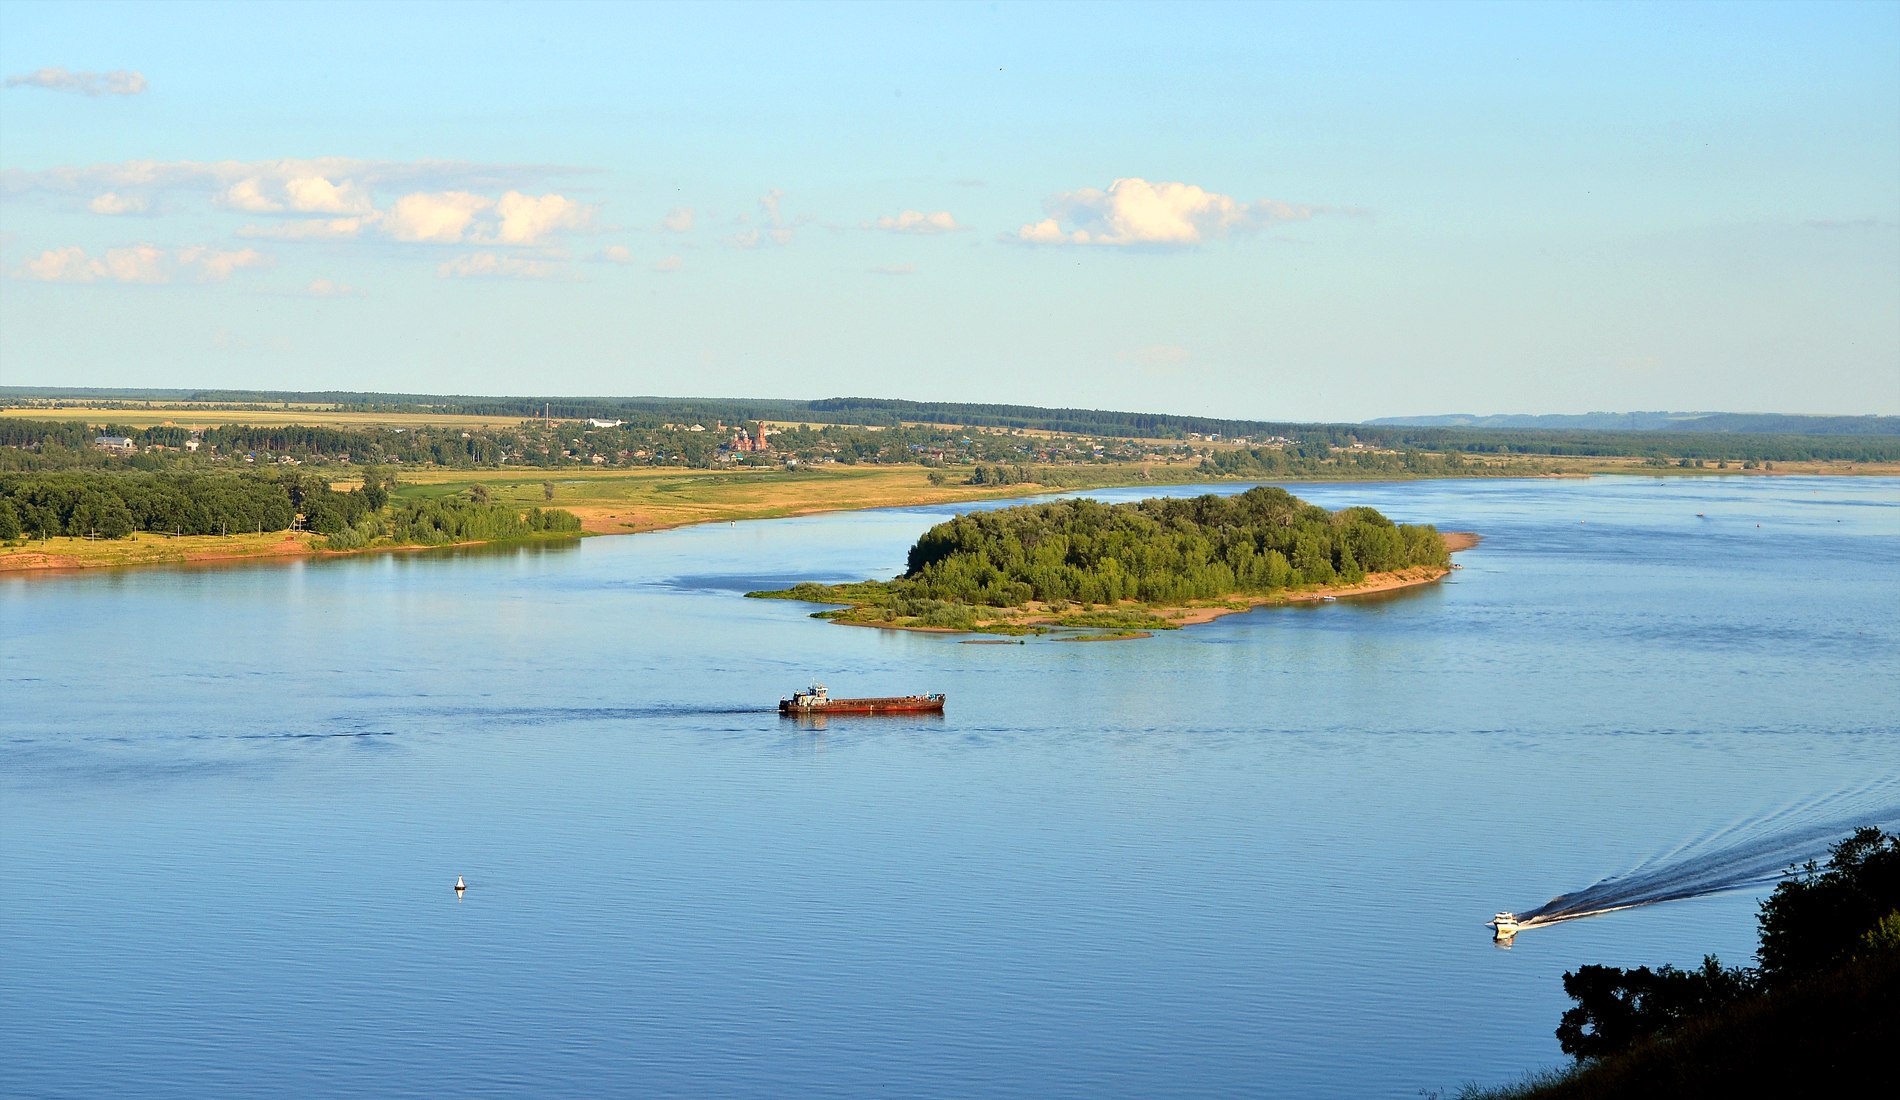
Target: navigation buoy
459, 884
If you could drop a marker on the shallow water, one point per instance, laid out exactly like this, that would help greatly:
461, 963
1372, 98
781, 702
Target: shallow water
1247, 858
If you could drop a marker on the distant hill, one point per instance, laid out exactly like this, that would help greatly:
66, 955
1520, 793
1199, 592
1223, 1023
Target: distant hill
1755, 423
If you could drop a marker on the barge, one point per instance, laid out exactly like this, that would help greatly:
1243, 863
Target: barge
817, 700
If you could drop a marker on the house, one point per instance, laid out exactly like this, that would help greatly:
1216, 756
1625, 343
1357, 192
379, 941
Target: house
116, 444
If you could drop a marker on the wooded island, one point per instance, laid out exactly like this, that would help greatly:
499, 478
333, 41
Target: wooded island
1151, 564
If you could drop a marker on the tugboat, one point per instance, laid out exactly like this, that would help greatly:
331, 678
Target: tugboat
819, 701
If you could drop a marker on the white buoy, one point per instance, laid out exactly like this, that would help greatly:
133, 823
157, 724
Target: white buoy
459, 884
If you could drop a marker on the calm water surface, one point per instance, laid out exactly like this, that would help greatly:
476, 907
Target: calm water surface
1250, 858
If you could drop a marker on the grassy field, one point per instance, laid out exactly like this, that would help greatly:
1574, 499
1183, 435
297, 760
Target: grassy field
619, 501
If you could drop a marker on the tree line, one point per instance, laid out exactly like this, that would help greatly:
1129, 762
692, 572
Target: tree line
115, 503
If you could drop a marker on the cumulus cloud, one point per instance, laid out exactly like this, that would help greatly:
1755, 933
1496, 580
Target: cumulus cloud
525, 219
1135, 212
58, 79
317, 195
217, 176
916, 221
616, 254
140, 263
492, 265
329, 288
678, 220
442, 217
322, 229
295, 194
216, 265
668, 263
114, 203
248, 195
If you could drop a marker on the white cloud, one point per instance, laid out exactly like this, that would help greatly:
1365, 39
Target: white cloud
916, 221
443, 216
58, 79
668, 263
61, 265
353, 179
894, 269
317, 195
492, 265
525, 219
1135, 212
310, 230
296, 194
114, 203
617, 254
216, 265
140, 263
327, 288
678, 220
248, 195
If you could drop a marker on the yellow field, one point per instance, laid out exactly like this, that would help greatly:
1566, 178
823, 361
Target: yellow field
194, 416
618, 501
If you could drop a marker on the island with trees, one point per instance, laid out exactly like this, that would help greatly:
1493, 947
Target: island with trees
1129, 568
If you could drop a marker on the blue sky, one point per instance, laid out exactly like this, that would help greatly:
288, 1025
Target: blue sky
1277, 211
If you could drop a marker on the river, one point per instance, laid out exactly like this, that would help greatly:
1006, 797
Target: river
1250, 858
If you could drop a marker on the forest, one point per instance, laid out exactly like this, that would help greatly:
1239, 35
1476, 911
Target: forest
115, 503
1157, 552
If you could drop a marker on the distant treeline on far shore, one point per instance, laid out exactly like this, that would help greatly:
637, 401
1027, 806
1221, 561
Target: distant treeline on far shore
698, 432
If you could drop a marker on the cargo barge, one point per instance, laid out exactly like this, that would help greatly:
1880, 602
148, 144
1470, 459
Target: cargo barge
818, 700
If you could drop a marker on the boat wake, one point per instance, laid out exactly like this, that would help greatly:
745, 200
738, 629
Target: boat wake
1743, 856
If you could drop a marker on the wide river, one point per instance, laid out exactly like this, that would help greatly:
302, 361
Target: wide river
1250, 858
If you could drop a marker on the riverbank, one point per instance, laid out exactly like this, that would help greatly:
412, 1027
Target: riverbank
608, 503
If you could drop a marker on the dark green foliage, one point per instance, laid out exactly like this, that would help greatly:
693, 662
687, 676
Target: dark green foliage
1618, 1008
113, 503
1822, 916
1152, 551
456, 519
1156, 551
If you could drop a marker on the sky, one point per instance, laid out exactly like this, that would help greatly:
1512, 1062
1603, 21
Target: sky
1273, 211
